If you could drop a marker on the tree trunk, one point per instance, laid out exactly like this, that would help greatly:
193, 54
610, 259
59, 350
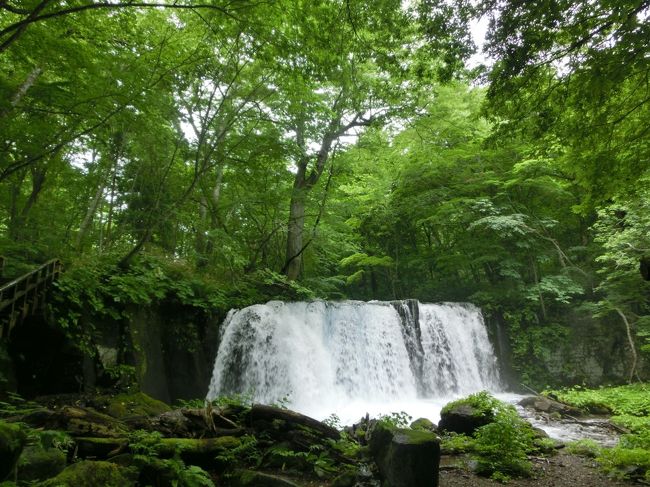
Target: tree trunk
90, 215
630, 340
92, 209
22, 90
296, 228
38, 180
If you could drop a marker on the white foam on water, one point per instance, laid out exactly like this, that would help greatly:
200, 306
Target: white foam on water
350, 358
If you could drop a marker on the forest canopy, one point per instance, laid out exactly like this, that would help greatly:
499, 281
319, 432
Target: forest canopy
334, 148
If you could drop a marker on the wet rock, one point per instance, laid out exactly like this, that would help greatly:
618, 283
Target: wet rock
12, 442
406, 457
549, 406
463, 418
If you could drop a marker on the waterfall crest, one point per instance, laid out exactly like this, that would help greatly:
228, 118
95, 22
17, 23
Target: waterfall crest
326, 355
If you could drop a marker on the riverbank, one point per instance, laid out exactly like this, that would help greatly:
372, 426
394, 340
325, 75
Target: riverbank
561, 470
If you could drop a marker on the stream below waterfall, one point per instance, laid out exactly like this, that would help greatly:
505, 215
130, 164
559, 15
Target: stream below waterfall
353, 358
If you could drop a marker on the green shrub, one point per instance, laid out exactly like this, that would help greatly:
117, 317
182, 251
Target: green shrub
585, 448
482, 402
454, 443
502, 446
396, 420
623, 462
631, 407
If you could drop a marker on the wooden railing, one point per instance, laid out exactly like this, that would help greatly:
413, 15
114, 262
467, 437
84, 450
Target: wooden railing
23, 296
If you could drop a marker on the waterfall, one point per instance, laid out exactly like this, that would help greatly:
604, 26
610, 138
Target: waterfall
326, 356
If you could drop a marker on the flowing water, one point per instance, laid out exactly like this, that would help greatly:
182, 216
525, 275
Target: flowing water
351, 358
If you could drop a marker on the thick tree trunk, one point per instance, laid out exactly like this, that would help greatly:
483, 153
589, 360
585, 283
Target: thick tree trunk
296, 228
205, 241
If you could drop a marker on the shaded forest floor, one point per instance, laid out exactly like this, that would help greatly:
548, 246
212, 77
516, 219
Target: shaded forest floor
561, 470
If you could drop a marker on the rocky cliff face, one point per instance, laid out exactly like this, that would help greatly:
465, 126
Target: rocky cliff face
578, 350
172, 348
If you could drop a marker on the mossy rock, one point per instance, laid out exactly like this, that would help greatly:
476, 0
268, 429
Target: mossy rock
405, 457
92, 474
38, 463
467, 415
424, 424
77, 421
135, 404
202, 452
12, 442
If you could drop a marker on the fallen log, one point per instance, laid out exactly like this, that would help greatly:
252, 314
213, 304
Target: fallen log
77, 421
262, 412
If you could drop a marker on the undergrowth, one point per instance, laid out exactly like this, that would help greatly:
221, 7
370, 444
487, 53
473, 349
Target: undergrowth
630, 408
501, 447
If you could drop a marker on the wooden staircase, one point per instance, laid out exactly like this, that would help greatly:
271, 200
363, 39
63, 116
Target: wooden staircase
26, 294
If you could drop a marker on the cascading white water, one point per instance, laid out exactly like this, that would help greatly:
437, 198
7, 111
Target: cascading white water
352, 357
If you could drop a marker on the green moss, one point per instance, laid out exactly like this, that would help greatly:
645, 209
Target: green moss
192, 445
12, 441
631, 407
37, 463
412, 437
630, 463
456, 443
92, 474
423, 424
135, 404
584, 448
482, 404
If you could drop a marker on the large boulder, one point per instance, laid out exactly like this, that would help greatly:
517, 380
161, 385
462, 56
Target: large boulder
463, 418
45, 456
468, 414
12, 442
405, 457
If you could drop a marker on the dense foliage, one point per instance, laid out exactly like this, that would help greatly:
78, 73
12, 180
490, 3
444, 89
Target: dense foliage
222, 153
630, 408
500, 447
